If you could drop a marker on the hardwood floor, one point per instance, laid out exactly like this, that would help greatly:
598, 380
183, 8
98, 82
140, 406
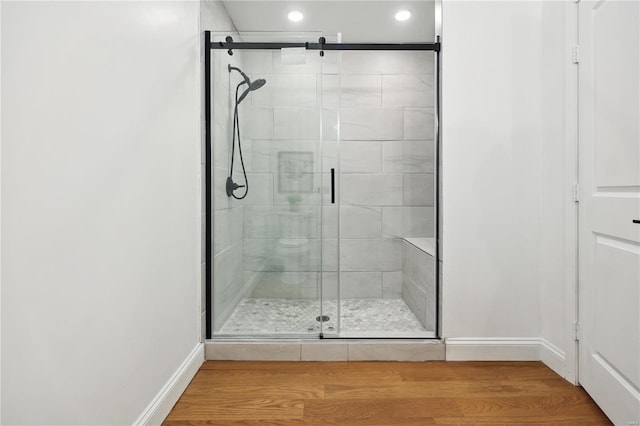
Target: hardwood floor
382, 393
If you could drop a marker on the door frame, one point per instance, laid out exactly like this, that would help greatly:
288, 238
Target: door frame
572, 185
564, 360
229, 45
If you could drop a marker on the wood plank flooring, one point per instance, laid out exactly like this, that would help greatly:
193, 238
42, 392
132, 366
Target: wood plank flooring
382, 393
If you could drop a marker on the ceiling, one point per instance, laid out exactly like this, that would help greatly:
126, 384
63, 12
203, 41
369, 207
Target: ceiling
359, 21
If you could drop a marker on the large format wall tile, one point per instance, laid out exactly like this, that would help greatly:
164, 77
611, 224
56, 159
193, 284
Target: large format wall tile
418, 288
356, 285
392, 284
279, 222
296, 123
305, 198
371, 190
330, 126
220, 198
221, 145
260, 222
371, 124
260, 154
227, 265
373, 62
330, 60
260, 189
256, 62
226, 299
360, 222
418, 124
416, 299
263, 154
274, 285
407, 91
407, 156
329, 254
329, 285
256, 122
227, 225
418, 189
258, 255
360, 157
329, 219
416, 62
370, 255
352, 91
418, 265
329, 149
286, 91
263, 255
402, 222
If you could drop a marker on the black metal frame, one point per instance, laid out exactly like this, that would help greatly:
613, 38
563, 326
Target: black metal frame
208, 230
321, 46
437, 191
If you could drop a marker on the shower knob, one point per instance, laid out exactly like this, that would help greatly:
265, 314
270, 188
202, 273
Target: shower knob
232, 186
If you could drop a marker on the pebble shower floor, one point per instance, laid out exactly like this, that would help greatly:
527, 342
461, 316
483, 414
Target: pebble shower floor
298, 316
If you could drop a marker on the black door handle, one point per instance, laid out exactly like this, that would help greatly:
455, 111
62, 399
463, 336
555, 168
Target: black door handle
636, 221
333, 186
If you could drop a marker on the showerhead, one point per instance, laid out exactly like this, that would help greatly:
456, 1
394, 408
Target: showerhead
252, 85
255, 85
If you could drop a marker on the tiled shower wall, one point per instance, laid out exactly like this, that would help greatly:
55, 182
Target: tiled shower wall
283, 119
386, 153
229, 287
385, 174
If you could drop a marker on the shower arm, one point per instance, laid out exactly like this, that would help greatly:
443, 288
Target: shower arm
246, 78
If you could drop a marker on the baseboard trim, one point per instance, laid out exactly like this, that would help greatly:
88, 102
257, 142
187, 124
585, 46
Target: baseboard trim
492, 349
160, 407
506, 349
555, 358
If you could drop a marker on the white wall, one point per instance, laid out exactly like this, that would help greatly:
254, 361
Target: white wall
506, 175
100, 206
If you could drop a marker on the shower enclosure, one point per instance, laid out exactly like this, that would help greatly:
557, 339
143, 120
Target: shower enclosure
321, 177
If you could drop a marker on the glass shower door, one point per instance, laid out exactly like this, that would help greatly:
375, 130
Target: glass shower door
269, 250
387, 150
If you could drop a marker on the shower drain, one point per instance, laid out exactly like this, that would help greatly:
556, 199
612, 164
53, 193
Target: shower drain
323, 318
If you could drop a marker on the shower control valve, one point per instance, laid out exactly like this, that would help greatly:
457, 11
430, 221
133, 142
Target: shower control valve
232, 186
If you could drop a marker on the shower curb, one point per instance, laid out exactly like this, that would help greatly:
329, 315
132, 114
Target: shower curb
326, 350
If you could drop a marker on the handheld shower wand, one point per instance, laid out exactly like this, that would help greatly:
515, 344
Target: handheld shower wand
231, 186
251, 85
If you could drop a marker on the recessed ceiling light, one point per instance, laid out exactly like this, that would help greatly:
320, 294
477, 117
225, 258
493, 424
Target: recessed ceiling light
295, 16
403, 15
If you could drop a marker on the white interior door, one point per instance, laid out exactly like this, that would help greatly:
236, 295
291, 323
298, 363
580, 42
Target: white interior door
609, 93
